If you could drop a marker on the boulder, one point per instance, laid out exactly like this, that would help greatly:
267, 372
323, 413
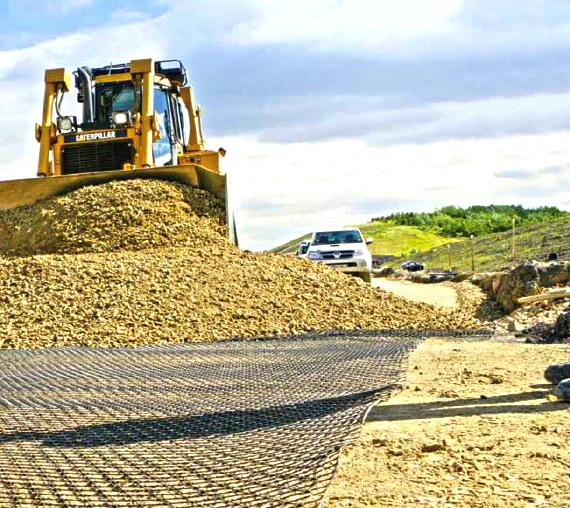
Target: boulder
524, 280
562, 390
542, 333
561, 329
554, 273
556, 372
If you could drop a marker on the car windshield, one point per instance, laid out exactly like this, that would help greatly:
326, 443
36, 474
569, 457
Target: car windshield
330, 237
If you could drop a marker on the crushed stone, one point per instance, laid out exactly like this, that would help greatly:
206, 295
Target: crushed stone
148, 262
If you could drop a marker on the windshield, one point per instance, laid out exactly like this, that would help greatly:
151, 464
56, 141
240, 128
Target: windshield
330, 237
113, 97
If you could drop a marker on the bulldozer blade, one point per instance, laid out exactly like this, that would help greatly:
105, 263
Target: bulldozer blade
14, 193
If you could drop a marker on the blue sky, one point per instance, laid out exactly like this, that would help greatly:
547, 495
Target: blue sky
332, 111
27, 22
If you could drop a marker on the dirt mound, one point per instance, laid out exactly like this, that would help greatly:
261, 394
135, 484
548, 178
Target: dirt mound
205, 289
122, 215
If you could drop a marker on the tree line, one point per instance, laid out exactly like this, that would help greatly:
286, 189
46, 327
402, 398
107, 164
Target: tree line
454, 221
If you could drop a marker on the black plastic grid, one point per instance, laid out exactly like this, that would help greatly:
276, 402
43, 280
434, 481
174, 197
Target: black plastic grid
235, 423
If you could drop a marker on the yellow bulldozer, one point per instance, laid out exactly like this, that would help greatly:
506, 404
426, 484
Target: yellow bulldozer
139, 120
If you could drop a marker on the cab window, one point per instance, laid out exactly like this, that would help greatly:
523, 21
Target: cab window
113, 97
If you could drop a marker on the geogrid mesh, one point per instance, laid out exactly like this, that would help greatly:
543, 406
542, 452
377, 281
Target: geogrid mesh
235, 423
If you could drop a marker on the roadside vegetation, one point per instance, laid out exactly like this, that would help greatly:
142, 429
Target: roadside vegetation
453, 221
396, 240
494, 251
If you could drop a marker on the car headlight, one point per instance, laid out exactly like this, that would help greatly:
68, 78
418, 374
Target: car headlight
120, 118
359, 252
65, 123
314, 256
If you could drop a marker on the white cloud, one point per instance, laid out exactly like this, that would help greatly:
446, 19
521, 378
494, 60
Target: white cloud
344, 23
283, 191
414, 29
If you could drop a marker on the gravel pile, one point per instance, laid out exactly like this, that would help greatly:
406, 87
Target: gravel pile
170, 275
121, 215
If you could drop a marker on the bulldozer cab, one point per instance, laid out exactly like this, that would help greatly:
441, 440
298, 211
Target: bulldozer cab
115, 104
135, 115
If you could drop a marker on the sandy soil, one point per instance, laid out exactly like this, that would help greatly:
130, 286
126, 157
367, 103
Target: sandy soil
435, 294
472, 427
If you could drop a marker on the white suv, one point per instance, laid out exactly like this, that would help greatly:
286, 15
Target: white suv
344, 249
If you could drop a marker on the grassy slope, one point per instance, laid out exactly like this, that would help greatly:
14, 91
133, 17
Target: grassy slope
388, 239
391, 239
493, 252
291, 246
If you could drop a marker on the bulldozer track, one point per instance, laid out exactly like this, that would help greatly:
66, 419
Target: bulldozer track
233, 423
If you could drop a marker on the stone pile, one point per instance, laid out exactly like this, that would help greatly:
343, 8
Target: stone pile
121, 215
147, 262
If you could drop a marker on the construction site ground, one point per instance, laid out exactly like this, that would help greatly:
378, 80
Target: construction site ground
149, 263
442, 295
472, 427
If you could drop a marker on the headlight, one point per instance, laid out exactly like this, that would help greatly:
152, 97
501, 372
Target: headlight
120, 118
358, 252
65, 123
314, 255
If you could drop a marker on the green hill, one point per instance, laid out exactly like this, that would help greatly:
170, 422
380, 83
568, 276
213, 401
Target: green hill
291, 246
397, 240
477, 220
493, 252
389, 239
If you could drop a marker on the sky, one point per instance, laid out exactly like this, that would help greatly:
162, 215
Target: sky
332, 111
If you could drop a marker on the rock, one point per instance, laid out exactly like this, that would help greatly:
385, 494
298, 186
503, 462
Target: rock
432, 447
521, 281
561, 330
554, 273
549, 334
524, 280
460, 276
556, 372
385, 271
562, 390
430, 278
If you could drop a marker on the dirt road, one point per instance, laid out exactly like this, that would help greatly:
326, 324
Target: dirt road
472, 428
434, 294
